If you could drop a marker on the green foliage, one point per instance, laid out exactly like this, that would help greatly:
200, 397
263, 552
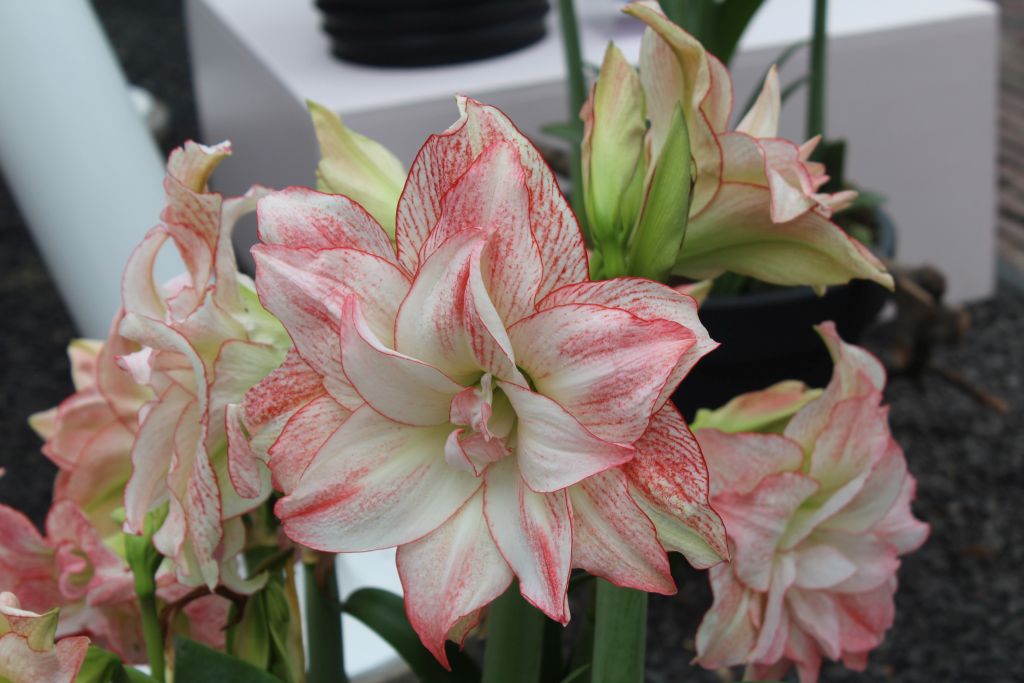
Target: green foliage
102, 666
384, 614
262, 636
515, 633
194, 663
662, 225
620, 635
144, 560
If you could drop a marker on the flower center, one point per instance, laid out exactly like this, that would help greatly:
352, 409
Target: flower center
483, 418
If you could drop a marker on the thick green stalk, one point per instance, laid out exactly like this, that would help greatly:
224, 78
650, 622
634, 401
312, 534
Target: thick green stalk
144, 560
577, 96
151, 632
515, 640
819, 65
323, 623
620, 635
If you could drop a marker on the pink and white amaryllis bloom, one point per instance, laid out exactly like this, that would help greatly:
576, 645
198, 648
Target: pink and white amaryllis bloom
89, 436
483, 406
204, 341
817, 518
71, 568
28, 652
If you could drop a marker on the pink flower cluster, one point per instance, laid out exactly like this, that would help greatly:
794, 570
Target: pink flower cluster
817, 517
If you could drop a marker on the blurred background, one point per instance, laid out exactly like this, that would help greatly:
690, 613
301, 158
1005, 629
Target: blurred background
956, 351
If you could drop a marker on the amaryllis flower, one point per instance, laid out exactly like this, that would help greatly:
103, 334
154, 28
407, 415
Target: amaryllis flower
480, 404
71, 568
89, 436
28, 653
204, 341
755, 207
817, 518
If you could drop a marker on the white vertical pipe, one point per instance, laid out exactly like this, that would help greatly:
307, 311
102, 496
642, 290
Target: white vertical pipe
85, 172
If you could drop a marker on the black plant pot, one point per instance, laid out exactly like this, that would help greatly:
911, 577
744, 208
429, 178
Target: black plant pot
410, 33
768, 336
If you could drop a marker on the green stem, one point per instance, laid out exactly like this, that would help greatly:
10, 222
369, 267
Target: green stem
577, 96
620, 635
144, 560
819, 64
152, 633
323, 623
515, 640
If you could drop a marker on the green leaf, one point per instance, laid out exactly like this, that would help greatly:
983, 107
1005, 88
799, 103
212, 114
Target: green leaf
819, 64
196, 662
515, 636
620, 636
577, 674
384, 614
102, 666
662, 225
731, 19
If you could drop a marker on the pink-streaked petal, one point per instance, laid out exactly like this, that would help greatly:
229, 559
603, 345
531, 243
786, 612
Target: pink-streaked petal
160, 337
290, 386
397, 386
815, 612
612, 538
22, 550
880, 492
674, 69
238, 366
767, 410
553, 449
303, 435
533, 531
757, 521
429, 325
298, 217
717, 106
775, 626
374, 484
899, 527
865, 617
762, 121
669, 481
726, 634
147, 486
605, 366
647, 300
19, 663
226, 292
855, 372
821, 566
735, 233
249, 475
487, 336
802, 650
450, 574
306, 290
445, 157
492, 196
739, 462
139, 292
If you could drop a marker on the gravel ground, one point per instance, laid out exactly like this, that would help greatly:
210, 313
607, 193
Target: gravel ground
961, 603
